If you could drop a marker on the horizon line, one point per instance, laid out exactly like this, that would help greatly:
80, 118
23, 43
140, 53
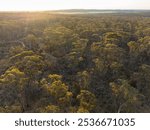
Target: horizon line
74, 9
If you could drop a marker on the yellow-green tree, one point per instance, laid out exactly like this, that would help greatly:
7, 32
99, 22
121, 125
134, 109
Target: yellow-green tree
58, 91
127, 97
12, 84
87, 101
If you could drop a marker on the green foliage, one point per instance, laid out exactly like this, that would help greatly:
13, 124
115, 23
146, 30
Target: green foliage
12, 83
87, 101
84, 79
126, 95
58, 91
50, 109
30, 63
74, 63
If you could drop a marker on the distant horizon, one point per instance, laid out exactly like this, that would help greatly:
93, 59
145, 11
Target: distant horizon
74, 10
49, 5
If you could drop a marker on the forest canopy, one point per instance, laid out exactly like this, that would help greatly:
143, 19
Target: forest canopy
51, 62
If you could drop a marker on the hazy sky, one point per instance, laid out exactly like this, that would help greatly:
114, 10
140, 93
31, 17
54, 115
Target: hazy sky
15, 5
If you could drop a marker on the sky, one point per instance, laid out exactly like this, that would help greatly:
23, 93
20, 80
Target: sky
35, 5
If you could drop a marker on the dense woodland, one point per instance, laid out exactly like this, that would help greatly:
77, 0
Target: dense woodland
74, 62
